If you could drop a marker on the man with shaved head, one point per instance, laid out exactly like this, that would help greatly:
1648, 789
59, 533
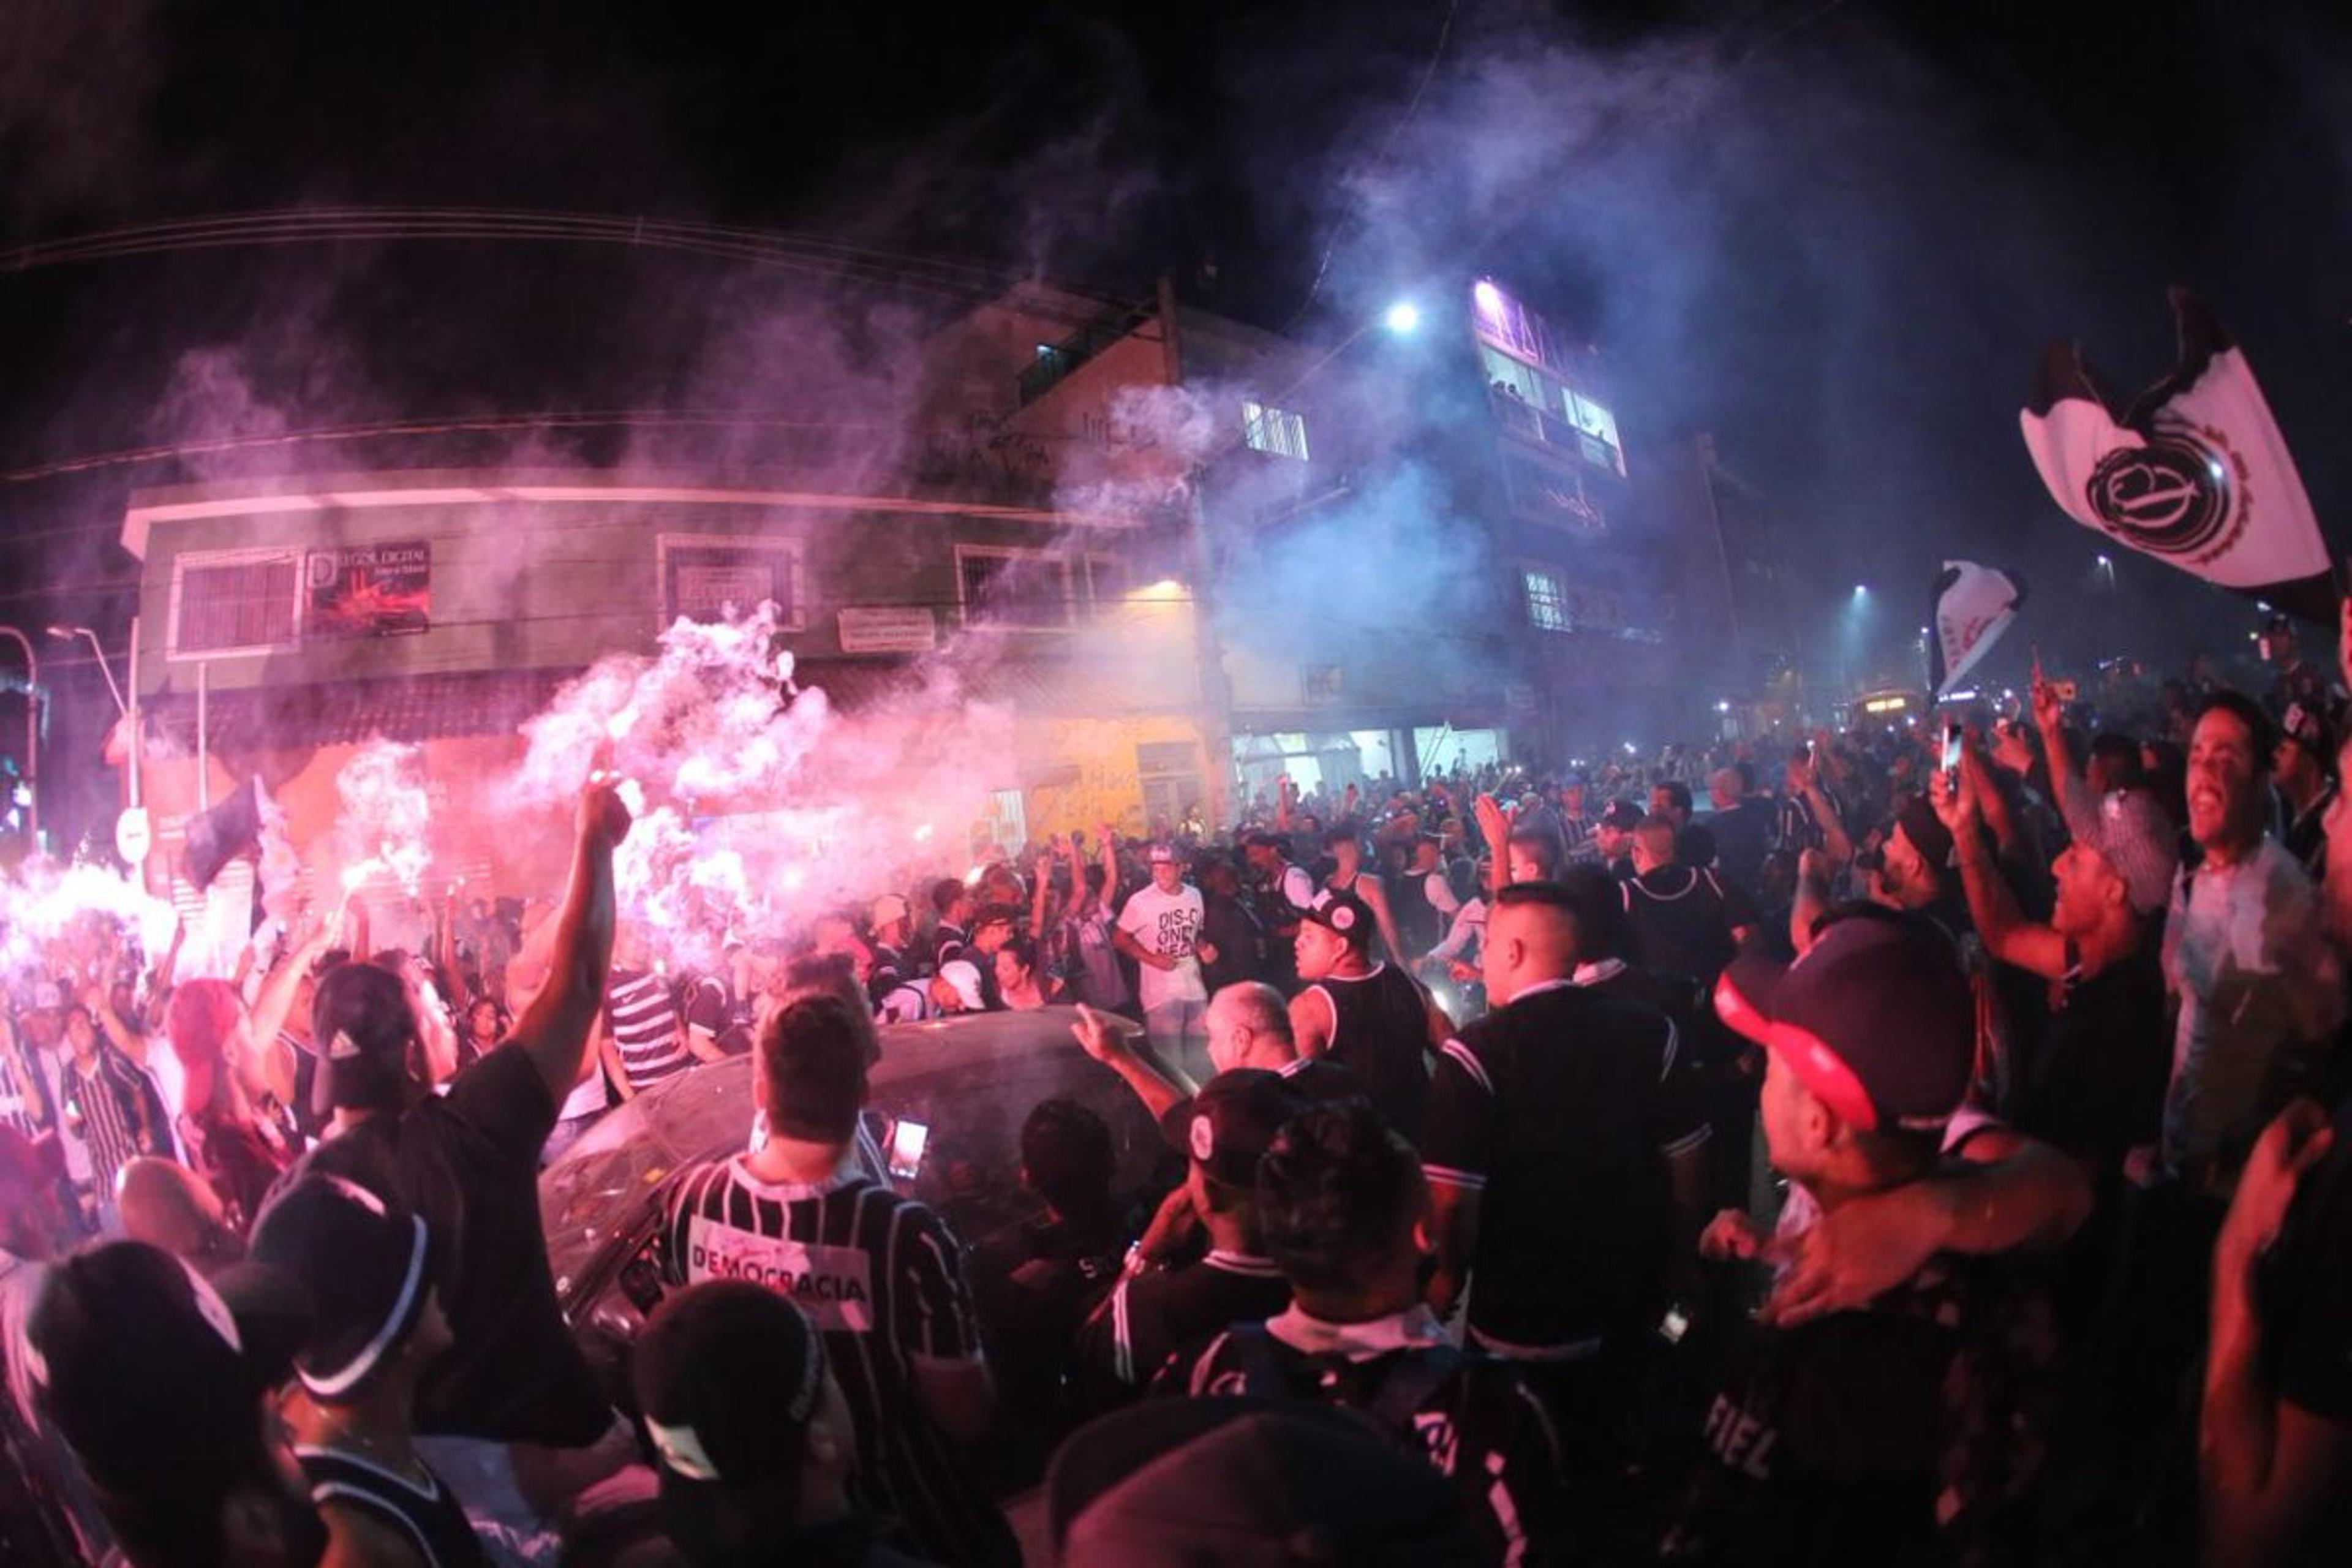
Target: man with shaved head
1685, 920
1548, 1144
1742, 826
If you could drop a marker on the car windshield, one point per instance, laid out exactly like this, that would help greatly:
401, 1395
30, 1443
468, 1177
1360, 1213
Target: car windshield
973, 1078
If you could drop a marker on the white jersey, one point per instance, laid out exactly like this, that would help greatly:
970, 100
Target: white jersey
1167, 924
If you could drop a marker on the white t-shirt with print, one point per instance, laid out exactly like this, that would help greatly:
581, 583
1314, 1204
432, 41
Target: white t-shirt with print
1167, 924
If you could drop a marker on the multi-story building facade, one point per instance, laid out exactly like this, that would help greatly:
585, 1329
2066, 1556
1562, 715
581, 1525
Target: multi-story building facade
1388, 557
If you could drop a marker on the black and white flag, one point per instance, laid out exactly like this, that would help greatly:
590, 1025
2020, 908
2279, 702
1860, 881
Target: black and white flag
2194, 472
1974, 605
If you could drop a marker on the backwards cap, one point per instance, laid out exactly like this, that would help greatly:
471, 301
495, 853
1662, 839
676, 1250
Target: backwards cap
151, 1374
364, 1266
1876, 1019
728, 1375
1344, 913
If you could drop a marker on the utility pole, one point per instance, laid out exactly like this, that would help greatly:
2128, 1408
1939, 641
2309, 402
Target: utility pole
1216, 714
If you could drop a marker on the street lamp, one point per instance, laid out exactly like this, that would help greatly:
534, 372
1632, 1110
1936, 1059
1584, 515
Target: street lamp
67, 634
32, 731
133, 835
1401, 320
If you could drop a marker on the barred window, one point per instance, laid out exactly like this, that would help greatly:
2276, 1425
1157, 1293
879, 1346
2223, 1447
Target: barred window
1547, 599
236, 602
1274, 430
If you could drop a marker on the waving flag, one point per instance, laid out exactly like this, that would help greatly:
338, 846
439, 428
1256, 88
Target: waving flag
2194, 473
1974, 605
231, 829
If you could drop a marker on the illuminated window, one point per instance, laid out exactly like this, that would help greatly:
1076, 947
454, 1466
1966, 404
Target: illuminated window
1547, 599
1272, 430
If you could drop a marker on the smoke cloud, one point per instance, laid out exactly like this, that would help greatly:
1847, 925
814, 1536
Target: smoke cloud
759, 805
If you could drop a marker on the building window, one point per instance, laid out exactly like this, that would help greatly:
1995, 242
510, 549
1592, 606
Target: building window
1547, 593
1533, 404
1169, 772
1018, 590
1597, 429
235, 601
1003, 827
717, 577
1552, 494
1272, 430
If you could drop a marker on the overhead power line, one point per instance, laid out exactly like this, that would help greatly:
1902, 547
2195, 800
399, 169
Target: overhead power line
946, 277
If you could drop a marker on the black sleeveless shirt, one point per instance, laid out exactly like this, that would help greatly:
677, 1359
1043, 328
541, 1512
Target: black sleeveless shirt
428, 1515
1380, 1032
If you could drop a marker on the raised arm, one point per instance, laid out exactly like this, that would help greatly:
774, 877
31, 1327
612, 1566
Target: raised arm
555, 1029
1107, 849
446, 953
1368, 888
158, 982
1837, 845
127, 1040
2008, 935
1043, 869
2266, 1462
1813, 899
2050, 719
1159, 1085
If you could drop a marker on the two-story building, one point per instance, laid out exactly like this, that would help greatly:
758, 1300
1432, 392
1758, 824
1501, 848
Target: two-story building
287, 623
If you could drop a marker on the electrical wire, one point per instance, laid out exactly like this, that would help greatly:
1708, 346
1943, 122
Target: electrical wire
947, 276
1412, 108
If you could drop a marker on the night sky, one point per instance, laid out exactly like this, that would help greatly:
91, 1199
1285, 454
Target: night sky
1836, 234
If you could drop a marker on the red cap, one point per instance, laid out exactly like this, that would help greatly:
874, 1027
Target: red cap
1876, 1019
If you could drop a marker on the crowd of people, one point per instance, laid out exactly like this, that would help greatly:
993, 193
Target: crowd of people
1919, 1146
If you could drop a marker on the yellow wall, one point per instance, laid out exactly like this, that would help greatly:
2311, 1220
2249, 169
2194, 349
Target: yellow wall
1107, 786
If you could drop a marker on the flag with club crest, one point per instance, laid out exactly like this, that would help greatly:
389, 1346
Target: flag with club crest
2194, 472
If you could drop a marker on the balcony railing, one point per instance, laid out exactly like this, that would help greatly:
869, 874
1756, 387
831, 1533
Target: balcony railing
1054, 364
1531, 423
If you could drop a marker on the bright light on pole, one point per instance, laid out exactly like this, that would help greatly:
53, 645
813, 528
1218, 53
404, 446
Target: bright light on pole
1403, 318
67, 634
1862, 590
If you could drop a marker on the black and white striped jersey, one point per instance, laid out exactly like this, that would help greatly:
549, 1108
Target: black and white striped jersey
642, 1016
105, 1106
882, 1277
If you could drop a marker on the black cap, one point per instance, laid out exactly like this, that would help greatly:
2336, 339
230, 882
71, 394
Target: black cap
363, 1264
1228, 1126
1622, 815
1342, 913
1876, 1019
1926, 831
2313, 728
728, 1375
1248, 1481
360, 1026
154, 1375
